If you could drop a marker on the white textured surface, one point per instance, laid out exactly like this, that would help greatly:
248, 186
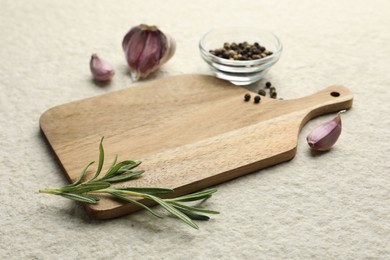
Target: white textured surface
333, 206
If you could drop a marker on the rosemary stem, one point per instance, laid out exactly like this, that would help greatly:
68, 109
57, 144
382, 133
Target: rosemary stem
50, 191
131, 193
88, 191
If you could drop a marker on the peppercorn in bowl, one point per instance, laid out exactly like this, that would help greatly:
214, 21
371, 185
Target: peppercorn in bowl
240, 55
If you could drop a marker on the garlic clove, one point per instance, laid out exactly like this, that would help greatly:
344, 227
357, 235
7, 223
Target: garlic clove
101, 70
323, 137
146, 49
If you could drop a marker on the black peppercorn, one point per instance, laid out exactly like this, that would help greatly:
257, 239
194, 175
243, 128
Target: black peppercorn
257, 99
272, 89
261, 92
255, 51
268, 84
247, 97
273, 94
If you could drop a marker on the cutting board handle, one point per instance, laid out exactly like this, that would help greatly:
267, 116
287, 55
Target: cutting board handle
331, 99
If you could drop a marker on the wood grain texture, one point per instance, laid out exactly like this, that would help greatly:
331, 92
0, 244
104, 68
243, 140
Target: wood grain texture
190, 131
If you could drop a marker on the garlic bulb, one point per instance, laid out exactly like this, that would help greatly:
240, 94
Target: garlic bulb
323, 137
146, 49
101, 70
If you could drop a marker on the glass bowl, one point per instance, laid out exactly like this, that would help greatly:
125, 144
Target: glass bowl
240, 72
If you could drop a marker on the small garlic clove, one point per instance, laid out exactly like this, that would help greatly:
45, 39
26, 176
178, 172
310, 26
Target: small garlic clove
101, 70
323, 137
146, 49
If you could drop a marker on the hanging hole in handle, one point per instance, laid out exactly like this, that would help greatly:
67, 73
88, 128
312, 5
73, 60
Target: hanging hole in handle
334, 94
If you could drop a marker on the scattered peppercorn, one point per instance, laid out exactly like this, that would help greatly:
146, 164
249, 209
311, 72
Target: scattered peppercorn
261, 92
241, 51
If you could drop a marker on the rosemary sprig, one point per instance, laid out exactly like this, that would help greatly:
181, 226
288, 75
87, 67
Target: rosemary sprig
88, 191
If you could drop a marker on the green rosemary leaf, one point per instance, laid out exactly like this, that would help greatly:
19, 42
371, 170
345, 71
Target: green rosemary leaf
124, 177
81, 175
113, 163
128, 167
93, 196
179, 205
86, 187
192, 215
126, 199
115, 170
174, 211
101, 160
79, 197
151, 191
101, 156
92, 186
190, 198
195, 196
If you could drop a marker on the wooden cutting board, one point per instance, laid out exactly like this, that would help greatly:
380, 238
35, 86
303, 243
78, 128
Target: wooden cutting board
190, 132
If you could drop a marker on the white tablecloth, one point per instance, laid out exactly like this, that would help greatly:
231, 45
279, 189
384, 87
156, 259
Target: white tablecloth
332, 206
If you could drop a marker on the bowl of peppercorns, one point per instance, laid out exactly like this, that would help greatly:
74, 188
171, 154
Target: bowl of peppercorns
240, 55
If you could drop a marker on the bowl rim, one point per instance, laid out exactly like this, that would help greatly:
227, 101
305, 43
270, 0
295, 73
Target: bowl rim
279, 47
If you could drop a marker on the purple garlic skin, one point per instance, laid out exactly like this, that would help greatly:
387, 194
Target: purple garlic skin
101, 70
146, 48
323, 137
